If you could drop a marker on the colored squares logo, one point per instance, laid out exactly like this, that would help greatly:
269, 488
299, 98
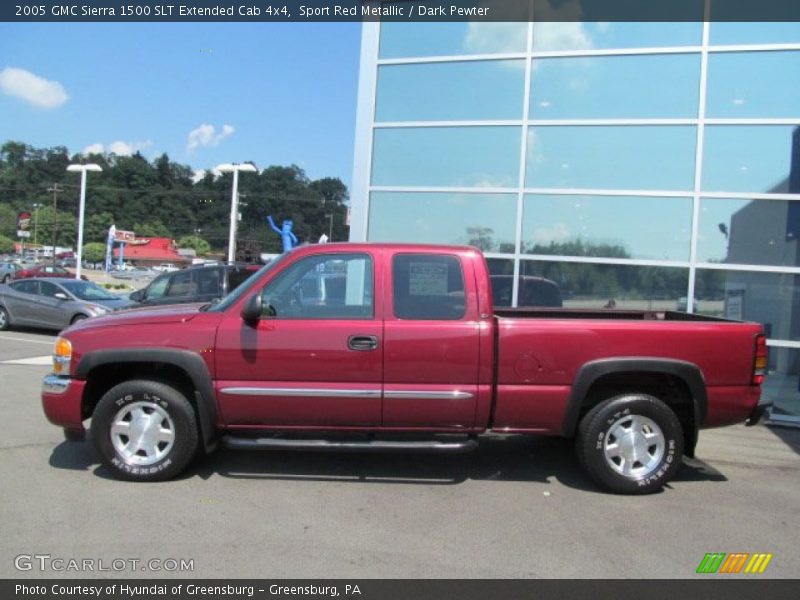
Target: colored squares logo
734, 563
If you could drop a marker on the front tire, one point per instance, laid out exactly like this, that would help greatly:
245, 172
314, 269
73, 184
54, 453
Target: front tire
5, 320
631, 444
145, 431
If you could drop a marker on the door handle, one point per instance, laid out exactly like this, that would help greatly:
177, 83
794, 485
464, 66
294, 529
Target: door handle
362, 343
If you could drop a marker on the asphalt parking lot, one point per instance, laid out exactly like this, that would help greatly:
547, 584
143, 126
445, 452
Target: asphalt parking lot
516, 508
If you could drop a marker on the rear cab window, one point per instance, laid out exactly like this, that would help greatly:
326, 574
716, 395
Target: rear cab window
428, 287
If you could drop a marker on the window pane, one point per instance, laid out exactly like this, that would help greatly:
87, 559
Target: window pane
753, 232
782, 384
754, 33
630, 87
451, 91
501, 271
612, 157
749, 158
554, 36
766, 91
328, 286
447, 156
767, 298
483, 220
445, 39
428, 287
652, 228
613, 286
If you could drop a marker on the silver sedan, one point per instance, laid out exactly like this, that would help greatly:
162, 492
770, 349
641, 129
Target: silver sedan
54, 303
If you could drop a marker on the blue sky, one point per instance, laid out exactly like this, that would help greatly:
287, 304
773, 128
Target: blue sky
275, 94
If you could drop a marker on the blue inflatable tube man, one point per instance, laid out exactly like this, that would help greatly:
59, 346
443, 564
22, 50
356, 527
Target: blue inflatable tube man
285, 231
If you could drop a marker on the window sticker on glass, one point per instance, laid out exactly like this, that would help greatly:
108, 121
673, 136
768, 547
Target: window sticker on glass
427, 279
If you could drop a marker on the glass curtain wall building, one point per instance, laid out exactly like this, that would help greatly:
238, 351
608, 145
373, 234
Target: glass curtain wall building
636, 165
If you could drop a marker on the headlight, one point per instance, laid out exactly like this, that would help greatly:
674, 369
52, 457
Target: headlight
62, 356
98, 309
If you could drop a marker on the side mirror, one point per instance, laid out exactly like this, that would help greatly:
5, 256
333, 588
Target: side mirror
137, 296
61, 296
252, 309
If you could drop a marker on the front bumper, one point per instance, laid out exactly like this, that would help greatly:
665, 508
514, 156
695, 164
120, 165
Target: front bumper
758, 413
61, 400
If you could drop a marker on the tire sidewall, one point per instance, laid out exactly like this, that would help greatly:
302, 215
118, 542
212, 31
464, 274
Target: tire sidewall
167, 398
6, 322
597, 424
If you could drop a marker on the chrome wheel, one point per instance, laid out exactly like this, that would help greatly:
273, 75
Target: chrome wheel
634, 446
142, 433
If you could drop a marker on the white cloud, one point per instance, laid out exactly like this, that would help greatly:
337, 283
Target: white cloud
561, 36
119, 148
32, 88
495, 37
206, 136
559, 232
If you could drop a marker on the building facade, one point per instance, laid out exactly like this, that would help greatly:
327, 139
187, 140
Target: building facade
636, 165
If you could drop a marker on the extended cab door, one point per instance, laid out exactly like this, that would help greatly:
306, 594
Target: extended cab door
432, 342
315, 358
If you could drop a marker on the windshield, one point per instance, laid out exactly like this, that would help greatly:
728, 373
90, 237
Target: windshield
245, 287
86, 290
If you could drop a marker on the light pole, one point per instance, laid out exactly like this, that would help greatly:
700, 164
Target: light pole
235, 168
36, 207
83, 169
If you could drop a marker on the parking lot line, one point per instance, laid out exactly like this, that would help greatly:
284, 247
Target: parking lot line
16, 339
34, 360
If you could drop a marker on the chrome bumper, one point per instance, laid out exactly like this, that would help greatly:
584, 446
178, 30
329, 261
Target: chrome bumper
53, 384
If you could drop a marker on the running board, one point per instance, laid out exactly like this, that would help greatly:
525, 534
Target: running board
240, 443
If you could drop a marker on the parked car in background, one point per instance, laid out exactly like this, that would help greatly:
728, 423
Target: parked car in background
7, 270
43, 271
202, 283
54, 303
533, 291
165, 268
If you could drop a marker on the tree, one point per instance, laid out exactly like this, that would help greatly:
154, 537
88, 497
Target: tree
151, 229
198, 244
6, 245
94, 252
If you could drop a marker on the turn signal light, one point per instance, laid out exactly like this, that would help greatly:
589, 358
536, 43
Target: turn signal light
62, 355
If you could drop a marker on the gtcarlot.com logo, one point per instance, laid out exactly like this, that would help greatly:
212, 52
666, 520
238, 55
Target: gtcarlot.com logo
734, 563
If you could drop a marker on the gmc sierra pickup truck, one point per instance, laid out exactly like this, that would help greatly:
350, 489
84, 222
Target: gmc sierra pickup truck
399, 348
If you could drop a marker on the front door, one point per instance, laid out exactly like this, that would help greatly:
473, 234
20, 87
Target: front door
315, 358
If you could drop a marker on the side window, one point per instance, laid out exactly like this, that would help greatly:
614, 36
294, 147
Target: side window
48, 289
25, 287
237, 276
336, 286
209, 281
428, 287
157, 288
181, 285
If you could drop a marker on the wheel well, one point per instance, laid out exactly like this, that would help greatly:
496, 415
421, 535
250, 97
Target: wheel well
670, 389
103, 377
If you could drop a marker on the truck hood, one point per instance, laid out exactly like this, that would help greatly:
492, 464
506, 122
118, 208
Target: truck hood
141, 316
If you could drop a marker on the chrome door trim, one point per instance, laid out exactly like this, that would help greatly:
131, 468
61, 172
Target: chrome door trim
427, 395
301, 392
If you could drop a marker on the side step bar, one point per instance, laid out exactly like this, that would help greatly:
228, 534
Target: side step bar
240, 443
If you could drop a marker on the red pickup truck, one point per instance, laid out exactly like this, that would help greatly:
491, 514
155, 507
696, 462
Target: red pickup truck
399, 347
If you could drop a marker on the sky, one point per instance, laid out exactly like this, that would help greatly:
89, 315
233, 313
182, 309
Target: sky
206, 94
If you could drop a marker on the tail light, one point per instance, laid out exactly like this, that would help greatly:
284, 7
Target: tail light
760, 360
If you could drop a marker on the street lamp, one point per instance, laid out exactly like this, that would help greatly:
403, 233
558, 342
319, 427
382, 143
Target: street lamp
235, 168
83, 169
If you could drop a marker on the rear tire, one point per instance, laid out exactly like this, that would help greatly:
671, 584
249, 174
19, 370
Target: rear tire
631, 444
5, 320
145, 431
77, 318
